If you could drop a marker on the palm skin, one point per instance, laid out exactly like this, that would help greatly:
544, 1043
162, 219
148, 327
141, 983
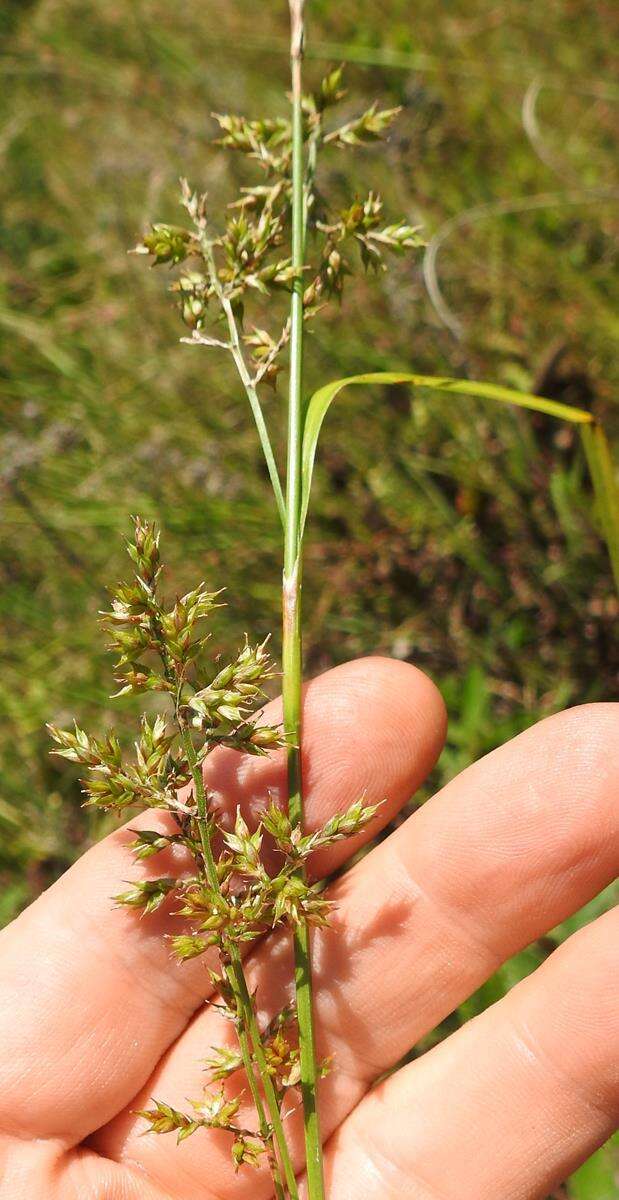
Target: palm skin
95, 1018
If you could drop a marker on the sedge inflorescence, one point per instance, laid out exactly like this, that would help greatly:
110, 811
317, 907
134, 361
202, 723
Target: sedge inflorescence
221, 272
229, 897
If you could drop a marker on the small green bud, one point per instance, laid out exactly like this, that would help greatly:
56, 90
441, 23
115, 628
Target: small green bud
165, 1119
148, 894
267, 737
224, 1062
215, 1110
277, 823
167, 243
149, 842
330, 91
366, 128
246, 1153
186, 946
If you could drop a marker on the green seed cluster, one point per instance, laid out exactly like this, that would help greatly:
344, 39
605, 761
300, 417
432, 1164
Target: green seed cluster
228, 897
244, 260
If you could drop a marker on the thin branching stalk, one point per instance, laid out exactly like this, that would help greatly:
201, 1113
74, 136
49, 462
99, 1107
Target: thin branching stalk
248, 1032
240, 983
248, 1025
292, 641
244, 374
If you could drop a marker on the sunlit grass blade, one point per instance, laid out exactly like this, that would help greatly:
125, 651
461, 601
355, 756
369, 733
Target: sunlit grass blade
594, 439
604, 481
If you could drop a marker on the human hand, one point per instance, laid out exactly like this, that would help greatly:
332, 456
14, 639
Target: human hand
95, 1018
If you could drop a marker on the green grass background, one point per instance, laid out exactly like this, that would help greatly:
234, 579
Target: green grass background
445, 532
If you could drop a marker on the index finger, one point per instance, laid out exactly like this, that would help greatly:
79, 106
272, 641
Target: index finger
90, 996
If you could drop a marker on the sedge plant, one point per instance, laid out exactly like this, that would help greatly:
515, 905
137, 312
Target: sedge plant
281, 238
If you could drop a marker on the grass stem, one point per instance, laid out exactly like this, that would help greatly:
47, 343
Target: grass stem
236, 351
236, 979
292, 641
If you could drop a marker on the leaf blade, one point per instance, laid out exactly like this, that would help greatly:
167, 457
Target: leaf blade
595, 443
601, 470
320, 402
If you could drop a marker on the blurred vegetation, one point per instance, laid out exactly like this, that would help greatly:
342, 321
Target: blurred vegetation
444, 532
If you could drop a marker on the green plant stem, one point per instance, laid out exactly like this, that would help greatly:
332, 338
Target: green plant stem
236, 978
236, 351
310, 175
292, 642
263, 1124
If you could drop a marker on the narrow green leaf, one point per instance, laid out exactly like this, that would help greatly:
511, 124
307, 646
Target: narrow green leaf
605, 487
321, 401
594, 440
